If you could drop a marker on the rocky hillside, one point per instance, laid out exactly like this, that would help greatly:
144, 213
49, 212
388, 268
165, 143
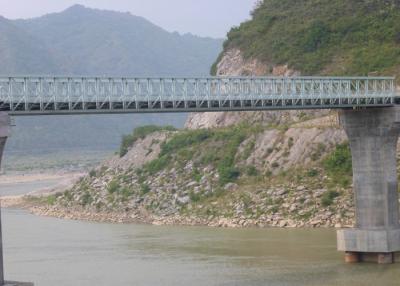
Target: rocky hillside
283, 168
289, 175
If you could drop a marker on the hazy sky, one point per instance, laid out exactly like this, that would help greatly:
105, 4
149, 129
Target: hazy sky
201, 17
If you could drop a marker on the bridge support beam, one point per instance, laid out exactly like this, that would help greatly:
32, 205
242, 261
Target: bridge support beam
373, 135
4, 133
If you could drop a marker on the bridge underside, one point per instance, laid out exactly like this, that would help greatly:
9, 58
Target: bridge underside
373, 135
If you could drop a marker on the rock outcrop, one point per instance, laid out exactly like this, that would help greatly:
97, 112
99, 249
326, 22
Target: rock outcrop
234, 64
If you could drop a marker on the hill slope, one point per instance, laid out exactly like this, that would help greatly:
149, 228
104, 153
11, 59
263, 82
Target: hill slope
335, 37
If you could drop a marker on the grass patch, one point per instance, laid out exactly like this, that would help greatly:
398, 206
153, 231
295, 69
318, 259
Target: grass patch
113, 187
185, 139
140, 133
157, 164
338, 165
51, 200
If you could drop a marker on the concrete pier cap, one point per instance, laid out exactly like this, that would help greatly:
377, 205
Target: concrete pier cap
373, 135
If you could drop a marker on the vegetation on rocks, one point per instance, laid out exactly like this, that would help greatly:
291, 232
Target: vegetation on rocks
140, 133
217, 147
204, 177
339, 165
335, 37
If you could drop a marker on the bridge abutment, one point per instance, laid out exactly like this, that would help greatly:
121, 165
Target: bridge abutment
373, 135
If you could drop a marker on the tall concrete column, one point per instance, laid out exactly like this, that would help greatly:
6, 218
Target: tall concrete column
373, 135
4, 133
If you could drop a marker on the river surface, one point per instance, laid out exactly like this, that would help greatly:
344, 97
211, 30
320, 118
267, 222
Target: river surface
54, 252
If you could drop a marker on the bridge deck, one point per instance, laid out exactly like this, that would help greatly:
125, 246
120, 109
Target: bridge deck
71, 95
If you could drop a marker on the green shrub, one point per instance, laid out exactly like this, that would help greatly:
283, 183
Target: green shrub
113, 187
157, 164
227, 174
194, 197
68, 196
144, 189
209, 158
268, 173
196, 175
318, 152
86, 199
126, 192
51, 200
338, 165
290, 142
312, 173
184, 139
328, 197
248, 149
251, 171
339, 162
275, 165
92, 173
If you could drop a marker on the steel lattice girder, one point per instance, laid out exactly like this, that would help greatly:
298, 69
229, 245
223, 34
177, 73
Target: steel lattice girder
63, 95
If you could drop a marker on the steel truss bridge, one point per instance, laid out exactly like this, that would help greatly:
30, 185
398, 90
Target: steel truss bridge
41, 95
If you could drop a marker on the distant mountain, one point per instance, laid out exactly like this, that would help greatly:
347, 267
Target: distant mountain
83, 41
20, 52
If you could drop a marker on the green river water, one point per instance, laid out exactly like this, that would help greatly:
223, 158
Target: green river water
54, 252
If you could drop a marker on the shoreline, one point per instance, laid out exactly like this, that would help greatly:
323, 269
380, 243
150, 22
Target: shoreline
141, 217
16, 178
58, 182
34, 203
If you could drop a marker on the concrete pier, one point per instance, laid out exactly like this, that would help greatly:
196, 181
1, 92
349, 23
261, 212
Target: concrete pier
4, 133
373, 135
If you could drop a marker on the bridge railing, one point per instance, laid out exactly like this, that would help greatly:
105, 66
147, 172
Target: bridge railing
56, 94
